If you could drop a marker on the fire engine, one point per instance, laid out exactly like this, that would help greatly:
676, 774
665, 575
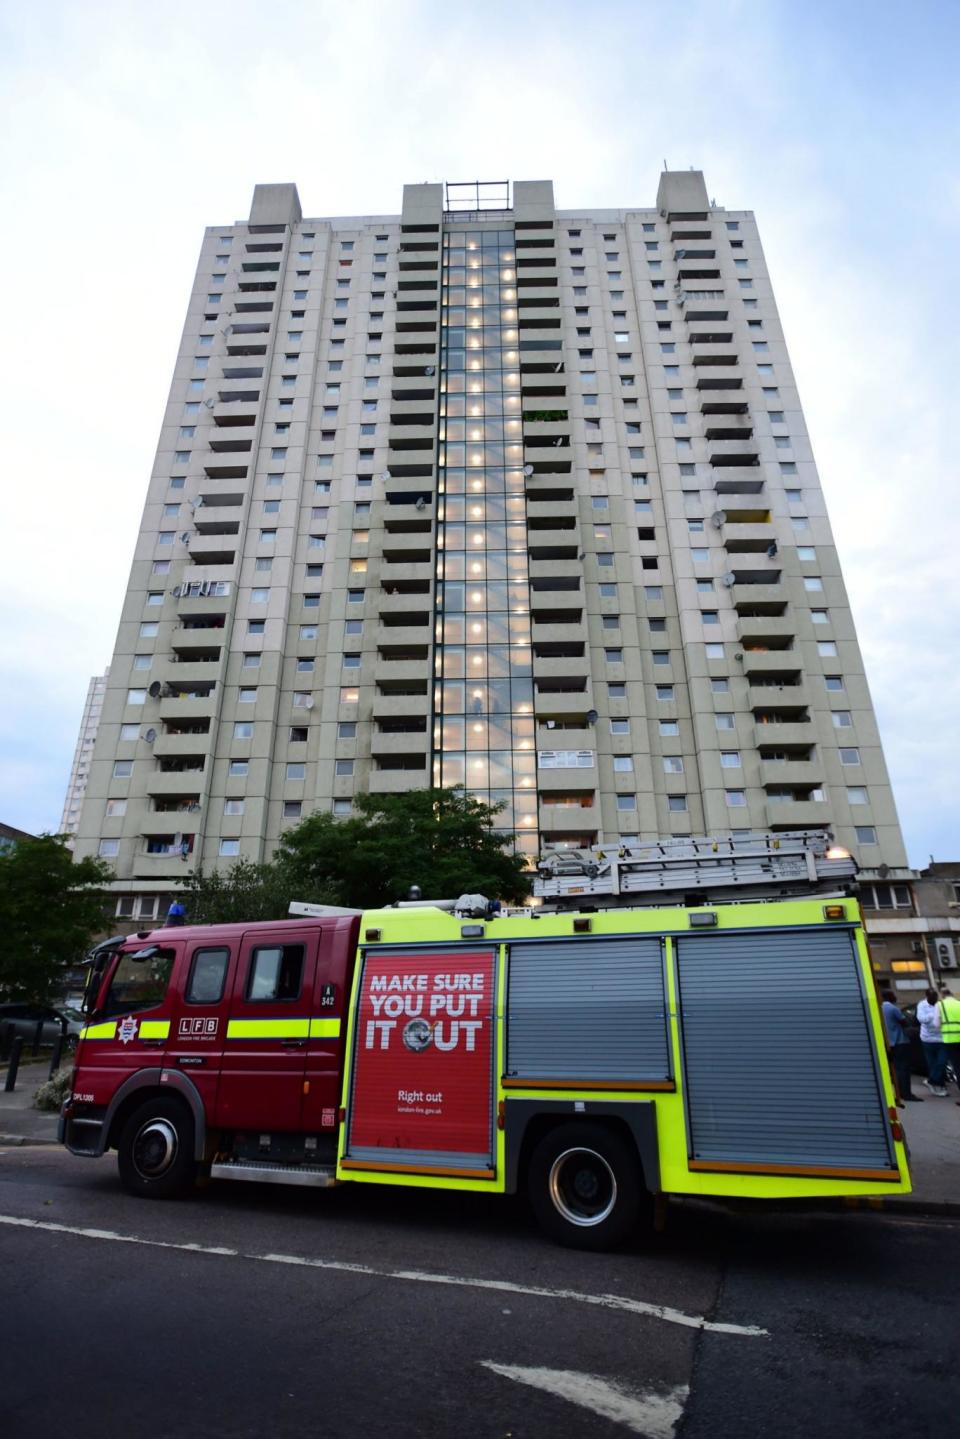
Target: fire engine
696, 1017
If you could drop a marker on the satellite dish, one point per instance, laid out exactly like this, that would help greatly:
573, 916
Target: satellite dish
177, 591
386, 475
772, 550
421, 502
185, 537
551, 724
209, 404
429, 370
150, 736
719, 519
592, 716
528, 469
729, 579
309, 702
154, 690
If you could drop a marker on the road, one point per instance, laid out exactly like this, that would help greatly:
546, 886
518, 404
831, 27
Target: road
259, 1311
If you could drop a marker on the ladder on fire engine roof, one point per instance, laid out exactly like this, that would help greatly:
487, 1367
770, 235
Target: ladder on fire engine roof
696, 870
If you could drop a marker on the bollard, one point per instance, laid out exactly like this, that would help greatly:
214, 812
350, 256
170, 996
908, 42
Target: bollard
37, 1036
57, 1052
6, 1040
15, 1052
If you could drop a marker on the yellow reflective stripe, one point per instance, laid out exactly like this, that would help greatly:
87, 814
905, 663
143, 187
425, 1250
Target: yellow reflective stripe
324, 1029
99, 1031
154, 1029
268, 1028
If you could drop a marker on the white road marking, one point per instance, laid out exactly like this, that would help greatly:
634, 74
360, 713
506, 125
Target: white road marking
653, 1415
502, 1286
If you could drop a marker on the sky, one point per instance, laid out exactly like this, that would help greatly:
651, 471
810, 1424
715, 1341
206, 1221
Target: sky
126, 128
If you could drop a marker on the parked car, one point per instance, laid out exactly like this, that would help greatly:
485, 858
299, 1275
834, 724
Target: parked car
22, 1019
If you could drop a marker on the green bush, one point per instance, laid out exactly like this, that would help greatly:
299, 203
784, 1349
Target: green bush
50, 1096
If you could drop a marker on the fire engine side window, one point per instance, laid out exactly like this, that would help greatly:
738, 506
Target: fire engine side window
208, 971
276, 972
139, 983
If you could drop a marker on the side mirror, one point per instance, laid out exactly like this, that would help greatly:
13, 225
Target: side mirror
92, 986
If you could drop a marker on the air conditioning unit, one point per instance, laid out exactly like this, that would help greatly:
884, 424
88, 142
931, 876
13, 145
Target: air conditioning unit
946, 954
917, 946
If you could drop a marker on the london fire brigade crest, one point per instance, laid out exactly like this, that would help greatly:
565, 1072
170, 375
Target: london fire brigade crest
128, 1029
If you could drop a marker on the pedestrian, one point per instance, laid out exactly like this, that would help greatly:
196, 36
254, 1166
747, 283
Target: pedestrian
176, 914
898, 1043
950, 1029
930, 1017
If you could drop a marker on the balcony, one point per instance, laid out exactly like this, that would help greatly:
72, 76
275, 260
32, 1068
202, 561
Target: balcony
401, 743
562, 667
390, 638
790, 702
559, 705
720, 379
187, 709
399, 781
172, 865
561, 780
757, 593
177, 782
179, 746
777, 774
772, 664
797, 814
396, 670
727, 453
216, 520
766, 629
783, 735
398, 706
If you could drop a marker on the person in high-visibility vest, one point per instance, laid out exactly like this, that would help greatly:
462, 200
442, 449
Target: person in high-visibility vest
950, 1029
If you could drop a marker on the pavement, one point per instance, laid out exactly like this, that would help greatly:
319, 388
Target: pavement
932, 1130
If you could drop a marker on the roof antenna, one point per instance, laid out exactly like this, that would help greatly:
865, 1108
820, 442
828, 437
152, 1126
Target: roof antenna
665, 165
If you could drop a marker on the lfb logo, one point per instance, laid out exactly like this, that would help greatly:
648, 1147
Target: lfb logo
197, 1027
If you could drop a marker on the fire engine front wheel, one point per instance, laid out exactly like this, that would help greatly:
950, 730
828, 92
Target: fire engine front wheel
155, 1153
586, 1186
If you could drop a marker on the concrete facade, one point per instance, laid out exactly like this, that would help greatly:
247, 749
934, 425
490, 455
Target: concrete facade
520, 497
83, 755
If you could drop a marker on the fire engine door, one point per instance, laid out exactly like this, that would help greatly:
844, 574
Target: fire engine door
131, 1029
200, 1006
268, 1026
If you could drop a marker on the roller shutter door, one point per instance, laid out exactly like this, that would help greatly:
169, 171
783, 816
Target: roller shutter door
778, 1060
587, 1009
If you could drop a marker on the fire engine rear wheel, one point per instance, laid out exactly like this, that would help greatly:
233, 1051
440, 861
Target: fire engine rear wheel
586, 1186
155, 1153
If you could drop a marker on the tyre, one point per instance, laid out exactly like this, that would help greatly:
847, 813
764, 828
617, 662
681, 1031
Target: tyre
586, 1186
155, 1153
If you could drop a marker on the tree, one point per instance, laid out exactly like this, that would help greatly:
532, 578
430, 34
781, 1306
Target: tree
51, 906
440, 839
244, 892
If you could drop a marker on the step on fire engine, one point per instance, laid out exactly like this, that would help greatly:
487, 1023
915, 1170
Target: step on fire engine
723, 1040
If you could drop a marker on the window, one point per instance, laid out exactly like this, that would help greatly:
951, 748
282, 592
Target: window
247, 696
616, 691
827, 648
626, 801
622, 762
251, 660
136, 697
820, 617
866, 834
342, 806
292, 808
856, 794
665, 692
661, 657
271, 507
295, 770
267, 537
129, 731
165, 537
238, 768
148, 630
850, 756
243, 729
160, 567
657, 626
116, 808
720, 686
229, 847
614, 657
669, 727
259, 596
276, 974
264, 563
833, 682
208, 973
714, 651
736, 798
672, 764
256, 627
676, 803
723, 721
304, 665
233, 806
709, 617
812, 583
